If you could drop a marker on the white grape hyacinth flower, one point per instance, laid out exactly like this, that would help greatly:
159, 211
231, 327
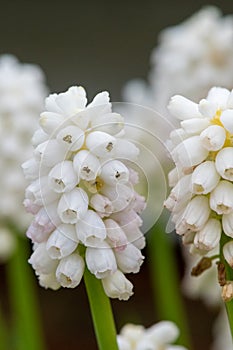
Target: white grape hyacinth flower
198, 49
22, 94
82, 195
204, 159
160, 336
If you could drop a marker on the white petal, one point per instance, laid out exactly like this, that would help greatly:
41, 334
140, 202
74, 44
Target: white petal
227, 120
204, 178
101, 144
218, 95
221, 198
227, 224
113, 172
101, 261
209, 236
224, 163
190, 152
70, 270
208, 109
182, 108
118, 286
60, 246
213, 138
86, 165
91, 226
130, 259
73, 206
62, 177
71, 137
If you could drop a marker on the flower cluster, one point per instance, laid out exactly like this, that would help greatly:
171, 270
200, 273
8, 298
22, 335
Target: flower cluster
157, 337
22, 93
199, 50
201, 200
82, 195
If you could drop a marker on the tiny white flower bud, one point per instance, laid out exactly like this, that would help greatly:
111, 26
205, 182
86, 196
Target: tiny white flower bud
86, 165
125, 149
209, 236
40, 193
44, 223
218, 95
177, 136
116, 236
182, 108
130, 259
207, 109
221, 198
179, 195
30, 169
49, 281
114, 171
189, 152
70, 270
89, 227
101, 261
73, 206
204, 178
101, 204
173, 177
71, 137
228, 252
213, 137
111, 123
50, 152
195, 125
72, 100
227, 224
39, 137
101, 144
62, 177
194, 216
116, 285
120, 195
51, 122
59, 245
224, 163
227, 120
41, 261
134, 234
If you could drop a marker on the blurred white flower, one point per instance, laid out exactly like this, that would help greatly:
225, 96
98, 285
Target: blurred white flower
80, 188
190, 58
22, 93
160, 336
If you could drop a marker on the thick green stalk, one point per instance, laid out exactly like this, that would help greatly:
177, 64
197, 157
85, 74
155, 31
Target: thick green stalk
165, 281
101, 311
229, 277
26, 319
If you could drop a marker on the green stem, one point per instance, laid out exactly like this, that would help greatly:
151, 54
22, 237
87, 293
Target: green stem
3, 333
229, 277
27, 326
101, 313
165, 281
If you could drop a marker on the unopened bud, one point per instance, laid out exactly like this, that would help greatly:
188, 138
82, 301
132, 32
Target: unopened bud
204, 264
227, 291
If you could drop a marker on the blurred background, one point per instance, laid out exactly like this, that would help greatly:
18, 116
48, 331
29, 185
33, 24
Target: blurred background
100, 45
